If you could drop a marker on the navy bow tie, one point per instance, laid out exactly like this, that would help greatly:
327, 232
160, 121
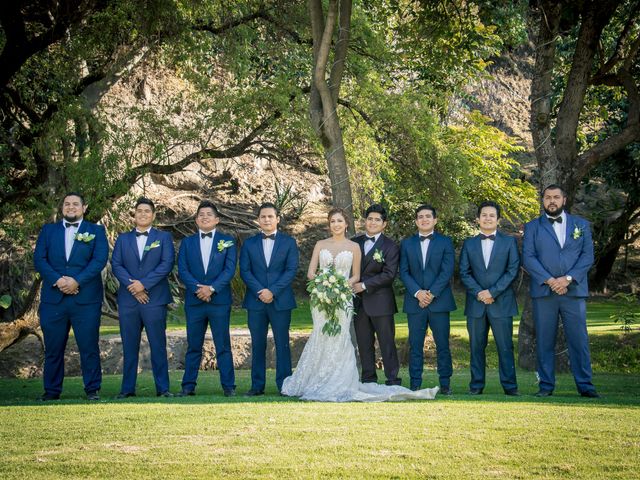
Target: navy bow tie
71, 225
556, 219
146, 234
371, 239
270, 237
209, 234
426, 237
487, 237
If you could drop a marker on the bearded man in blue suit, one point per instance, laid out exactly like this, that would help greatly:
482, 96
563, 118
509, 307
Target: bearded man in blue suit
70, 256
489, 263
558, 253
268, 265
142, 261
206, 264
426, 266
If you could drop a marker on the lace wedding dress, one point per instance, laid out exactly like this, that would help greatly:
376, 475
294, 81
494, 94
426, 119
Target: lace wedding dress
327, 370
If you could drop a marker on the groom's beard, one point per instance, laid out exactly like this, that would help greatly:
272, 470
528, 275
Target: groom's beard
73, 219
555, 213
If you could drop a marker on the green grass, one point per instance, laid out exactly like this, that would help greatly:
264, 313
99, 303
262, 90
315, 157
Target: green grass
210, 436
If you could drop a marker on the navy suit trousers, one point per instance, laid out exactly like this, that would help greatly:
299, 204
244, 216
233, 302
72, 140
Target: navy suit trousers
418, 324
55, 321
154, 321
198, 318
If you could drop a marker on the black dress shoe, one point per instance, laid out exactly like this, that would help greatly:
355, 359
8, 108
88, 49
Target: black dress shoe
230, 392
512, 392
397, 381
186, 393
254, 393
590, 394
46, 397
445, 391
165, 394
475, 391
544, 393
93, 396
122, 396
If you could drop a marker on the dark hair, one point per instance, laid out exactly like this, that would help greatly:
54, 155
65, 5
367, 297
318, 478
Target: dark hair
376, 208
554, 186
268, 205
145, 201
207, 204
489, 203
341, 211
73, 194
426, 206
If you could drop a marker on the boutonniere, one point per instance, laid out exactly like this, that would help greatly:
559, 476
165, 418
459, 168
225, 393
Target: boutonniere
378, 256
85, 237
155, 244
577, 232
222, 245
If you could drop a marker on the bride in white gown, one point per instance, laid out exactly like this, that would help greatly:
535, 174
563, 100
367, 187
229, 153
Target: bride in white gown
327, 370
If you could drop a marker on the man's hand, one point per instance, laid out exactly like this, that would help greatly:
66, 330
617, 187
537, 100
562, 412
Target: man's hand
135, 287
425, 297
204, 293
142, 297
265, 295
357, 287
485, 297
558, 285
67, 285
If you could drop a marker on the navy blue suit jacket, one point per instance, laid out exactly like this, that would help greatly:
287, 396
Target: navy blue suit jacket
85, 263
221, 269
498, 277
152, 271
277, 277
434, 276
543, 258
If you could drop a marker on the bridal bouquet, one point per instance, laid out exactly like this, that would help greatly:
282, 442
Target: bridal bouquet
330, 293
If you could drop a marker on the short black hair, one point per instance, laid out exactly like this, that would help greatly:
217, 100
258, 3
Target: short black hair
426, 206
208, 204
268, 205
489, 203
73, 194
554, 186
145, 201
376, 208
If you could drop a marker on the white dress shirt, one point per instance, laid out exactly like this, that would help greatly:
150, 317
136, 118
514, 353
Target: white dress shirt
141, 240
424, 246
368, 244
487, 247
560, 229
267, 247
70, 237
206, 244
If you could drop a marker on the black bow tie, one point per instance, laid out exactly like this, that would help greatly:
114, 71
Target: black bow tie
71, 225
426, 237
372, 239
487, 237
270, 237
146, 234
552, 220
209, 234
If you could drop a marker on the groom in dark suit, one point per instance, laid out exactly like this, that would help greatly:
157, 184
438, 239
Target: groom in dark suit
268, 265
376, 303
70, 256
489, 263
426, 266
142, 261
206, 264
558, 253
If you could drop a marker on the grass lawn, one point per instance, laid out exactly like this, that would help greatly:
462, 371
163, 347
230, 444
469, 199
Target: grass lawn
210, 436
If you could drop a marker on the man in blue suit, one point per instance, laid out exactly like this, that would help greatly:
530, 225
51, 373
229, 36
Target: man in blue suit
142, 261
558, 253
268, 265
426, 267
489, 263
206, 265
70, 256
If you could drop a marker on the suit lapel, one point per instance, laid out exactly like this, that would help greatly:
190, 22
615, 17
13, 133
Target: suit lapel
214, 241
153, 234
376, 245
418, 250
277, 242
497, 243
81, 229
546, 225
133, 244
568, 230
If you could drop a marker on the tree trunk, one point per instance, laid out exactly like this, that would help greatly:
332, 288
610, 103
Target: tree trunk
27, 322
325, 92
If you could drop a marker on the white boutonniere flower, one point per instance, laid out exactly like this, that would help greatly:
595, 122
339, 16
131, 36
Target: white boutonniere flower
378, 256
85, 237
222, 245
155, 244
577, 232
